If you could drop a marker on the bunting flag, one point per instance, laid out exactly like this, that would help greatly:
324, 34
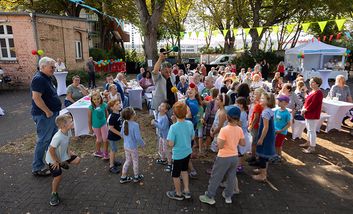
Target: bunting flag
197, 34
246, 31
348, 35
340, 23
259, 30
331, 37
215, 33
324, 39
235, 30
182, 35
338, 36
318, 39
275, 29
306, 26
225, 31
322, 25
205, 34
189, 34
290, 28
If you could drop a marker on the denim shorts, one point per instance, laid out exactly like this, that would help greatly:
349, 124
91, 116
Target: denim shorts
58, 172
113, 145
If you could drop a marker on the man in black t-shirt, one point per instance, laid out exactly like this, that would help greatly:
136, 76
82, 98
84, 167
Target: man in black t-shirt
45, 108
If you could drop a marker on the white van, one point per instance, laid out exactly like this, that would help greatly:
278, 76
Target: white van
223, 59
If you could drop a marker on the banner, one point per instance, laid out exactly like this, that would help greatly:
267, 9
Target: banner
275, 29
197, 34
259, 30
205, 34
246, 31
306, 26
235, 30
322, 25
225, 31
340, 23
182, 35
290, 28
215, 33
189, 34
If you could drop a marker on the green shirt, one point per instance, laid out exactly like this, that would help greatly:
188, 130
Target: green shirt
199, 117
98, 115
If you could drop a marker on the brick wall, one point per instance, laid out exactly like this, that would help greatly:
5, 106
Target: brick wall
22, 69
56, 36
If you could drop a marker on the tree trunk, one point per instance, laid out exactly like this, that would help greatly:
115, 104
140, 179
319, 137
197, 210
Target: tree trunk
229, 43
179, 50
149, 26
255, 42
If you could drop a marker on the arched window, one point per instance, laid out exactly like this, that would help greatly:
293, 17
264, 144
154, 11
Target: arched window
7, 45
78, 45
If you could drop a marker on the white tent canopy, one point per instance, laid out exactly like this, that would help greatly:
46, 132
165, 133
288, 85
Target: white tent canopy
316, 55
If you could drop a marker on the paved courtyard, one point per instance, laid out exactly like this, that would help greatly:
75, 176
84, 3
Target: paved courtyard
320, 183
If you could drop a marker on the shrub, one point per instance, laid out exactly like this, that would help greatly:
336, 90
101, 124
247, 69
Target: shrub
83, 76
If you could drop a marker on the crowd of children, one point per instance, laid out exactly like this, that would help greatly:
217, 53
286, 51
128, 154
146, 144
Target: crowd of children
232, 115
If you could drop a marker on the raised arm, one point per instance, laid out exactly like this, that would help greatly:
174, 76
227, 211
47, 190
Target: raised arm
157, 66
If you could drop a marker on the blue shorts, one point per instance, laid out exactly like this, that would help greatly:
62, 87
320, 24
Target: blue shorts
113, 145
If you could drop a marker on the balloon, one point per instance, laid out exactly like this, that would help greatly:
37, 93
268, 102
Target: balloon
34, 52
40, 52
302, 56
299, 56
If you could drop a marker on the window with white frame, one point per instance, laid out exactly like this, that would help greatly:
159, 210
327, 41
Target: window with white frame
7, 46
78, 49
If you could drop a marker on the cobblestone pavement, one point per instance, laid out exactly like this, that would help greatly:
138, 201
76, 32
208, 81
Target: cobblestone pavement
89, 188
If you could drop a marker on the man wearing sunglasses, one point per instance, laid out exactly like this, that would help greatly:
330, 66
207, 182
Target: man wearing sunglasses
45, 108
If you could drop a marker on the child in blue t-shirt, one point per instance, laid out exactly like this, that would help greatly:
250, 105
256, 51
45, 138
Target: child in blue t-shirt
162, 124
114, 134
179, 137
282, 120
97, 123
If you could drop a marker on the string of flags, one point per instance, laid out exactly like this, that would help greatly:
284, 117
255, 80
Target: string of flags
119, 22
274, 29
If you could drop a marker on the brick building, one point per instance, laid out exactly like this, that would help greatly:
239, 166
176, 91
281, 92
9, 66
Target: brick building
58, 36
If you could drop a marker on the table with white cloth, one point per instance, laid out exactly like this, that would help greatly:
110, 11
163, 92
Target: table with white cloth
61, 80
79, 111
324, 76
337, 110
135, 95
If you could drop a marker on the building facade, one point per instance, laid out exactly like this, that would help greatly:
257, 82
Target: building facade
58, 36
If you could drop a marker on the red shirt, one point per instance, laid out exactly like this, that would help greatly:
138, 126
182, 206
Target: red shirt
313, 105
280, 68
257, 109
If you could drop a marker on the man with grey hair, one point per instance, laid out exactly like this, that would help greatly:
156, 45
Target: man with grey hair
164, 80
45, 108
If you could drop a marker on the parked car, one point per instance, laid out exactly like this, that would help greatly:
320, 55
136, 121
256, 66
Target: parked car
223, 59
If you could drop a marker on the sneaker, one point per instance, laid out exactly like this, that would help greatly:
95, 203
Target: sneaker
160, 161
174, 196
117, 163
228, 200
193, 175
205, 199
114, 170
309, 150
138, 178
168, 168
64, 165
98, 154
105, 156
276, 160
187, 195
42, 172
304, 144
54, 199
125, 179
240, 169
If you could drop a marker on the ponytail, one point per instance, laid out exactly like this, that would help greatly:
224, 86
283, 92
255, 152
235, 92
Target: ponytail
126, 127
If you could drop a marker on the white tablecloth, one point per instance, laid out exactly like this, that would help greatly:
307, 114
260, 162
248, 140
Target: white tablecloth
324, 76
337, 110
135, 97
61, 80
79, 111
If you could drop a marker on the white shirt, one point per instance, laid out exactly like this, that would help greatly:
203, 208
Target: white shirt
200, 87
219, 82
60, 67
60, 142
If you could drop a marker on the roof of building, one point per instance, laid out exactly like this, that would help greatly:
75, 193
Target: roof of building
42, 15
